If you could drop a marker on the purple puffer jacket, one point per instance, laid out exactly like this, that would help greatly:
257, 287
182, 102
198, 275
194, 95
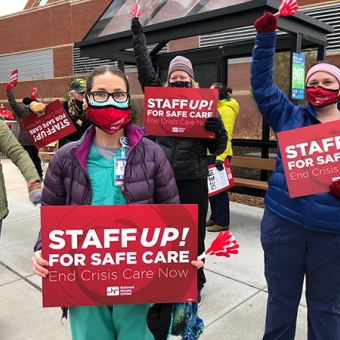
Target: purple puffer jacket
149, 178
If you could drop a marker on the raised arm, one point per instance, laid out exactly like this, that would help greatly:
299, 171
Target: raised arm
18, 109
147, 75
271, 101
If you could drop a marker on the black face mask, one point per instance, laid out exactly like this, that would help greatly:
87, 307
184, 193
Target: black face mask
179, 83
79, 104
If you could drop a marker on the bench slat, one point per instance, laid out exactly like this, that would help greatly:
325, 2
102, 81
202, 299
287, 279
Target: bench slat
253, 162
251, 183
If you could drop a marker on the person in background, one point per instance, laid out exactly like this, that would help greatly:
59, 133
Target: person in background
81, 173
187, 156
75, 109
300, 236
219, 204
15, 152
21, 111
6, 114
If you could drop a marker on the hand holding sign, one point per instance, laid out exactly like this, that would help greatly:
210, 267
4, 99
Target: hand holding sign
9, 86
223, 245
266, 24
215, 125
286, 8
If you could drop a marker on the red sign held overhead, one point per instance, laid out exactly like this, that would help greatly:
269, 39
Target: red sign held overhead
179, 112
310, 157
124, 254
54, 124
14, 77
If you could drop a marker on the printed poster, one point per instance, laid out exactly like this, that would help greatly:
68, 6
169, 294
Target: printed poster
219, 181
298, 76
123, 254
310, 157
179, 112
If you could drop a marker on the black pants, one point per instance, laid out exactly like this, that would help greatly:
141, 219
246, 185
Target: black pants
196, 192
34, 155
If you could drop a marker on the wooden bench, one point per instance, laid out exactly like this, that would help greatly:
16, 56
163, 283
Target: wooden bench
252, 163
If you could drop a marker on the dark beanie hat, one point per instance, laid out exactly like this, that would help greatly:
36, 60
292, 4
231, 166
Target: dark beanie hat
27, 101
180, 63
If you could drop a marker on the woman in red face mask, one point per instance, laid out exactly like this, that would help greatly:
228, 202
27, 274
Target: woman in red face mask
323, 88
111, 164
300, 236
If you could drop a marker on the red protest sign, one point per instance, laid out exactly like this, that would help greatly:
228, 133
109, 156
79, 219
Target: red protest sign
125, 254
14, 77
310, 157
179, 112
54, 124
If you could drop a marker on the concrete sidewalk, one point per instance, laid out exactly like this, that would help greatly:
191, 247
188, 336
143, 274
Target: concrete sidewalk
234, 298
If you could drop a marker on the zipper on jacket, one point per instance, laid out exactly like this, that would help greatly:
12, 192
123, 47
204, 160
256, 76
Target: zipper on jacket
174, 151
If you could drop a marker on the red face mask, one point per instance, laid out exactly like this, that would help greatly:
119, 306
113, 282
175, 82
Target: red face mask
108, 119
320, 97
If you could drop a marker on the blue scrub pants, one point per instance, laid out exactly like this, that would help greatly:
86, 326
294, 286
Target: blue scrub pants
219, 203
290, 253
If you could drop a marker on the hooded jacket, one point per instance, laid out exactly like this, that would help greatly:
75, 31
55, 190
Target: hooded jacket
148, 176
187, 156
319, 212
228, 109
14, 151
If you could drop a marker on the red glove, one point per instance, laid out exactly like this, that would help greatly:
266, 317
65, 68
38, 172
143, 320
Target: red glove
334, 188
266, 24
9, 86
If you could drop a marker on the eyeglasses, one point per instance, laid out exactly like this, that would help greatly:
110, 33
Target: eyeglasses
103, 96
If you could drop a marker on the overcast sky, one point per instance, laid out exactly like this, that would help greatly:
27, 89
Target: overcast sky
11, 6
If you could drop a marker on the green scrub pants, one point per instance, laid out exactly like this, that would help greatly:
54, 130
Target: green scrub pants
119, 322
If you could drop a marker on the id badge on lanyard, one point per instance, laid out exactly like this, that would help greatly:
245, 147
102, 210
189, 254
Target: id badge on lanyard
120, 163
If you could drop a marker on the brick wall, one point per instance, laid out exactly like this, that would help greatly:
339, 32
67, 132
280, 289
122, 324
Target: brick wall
57, 25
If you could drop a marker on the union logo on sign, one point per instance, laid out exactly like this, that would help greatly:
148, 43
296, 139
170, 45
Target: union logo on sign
112, 291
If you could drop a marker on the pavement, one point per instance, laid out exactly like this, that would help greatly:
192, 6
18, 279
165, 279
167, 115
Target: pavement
234, 298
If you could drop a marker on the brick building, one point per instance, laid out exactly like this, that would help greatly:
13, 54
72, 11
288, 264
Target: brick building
39, 41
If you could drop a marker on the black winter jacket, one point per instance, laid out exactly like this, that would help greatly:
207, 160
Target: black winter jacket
187, 156
21, 111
